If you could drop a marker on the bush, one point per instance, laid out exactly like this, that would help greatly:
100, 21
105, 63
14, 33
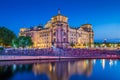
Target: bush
1, 48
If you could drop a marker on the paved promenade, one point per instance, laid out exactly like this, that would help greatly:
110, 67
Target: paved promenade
40, 54
6, 58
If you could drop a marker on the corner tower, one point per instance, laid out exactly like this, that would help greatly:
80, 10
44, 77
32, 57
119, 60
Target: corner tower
89, 30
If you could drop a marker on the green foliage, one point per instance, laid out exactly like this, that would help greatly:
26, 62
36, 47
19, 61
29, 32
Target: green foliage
97, 44
1, 48
6, 36
118, 44
15, 43
108, 44
22, 41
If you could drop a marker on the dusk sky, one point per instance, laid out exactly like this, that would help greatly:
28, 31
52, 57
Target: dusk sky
104, 15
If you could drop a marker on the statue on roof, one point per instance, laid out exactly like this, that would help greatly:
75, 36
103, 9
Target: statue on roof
58, 11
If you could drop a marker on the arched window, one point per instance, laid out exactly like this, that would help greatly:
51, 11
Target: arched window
64, 33
54, 40
54, 33
64, 39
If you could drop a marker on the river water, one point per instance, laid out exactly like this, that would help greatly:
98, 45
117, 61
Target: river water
60, 70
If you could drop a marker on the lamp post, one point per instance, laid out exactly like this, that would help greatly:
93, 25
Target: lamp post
105, 42
76, 35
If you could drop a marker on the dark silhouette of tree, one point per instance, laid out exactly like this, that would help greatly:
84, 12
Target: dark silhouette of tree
6, 36
22, 41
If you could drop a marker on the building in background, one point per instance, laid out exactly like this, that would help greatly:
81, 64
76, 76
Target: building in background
58, 33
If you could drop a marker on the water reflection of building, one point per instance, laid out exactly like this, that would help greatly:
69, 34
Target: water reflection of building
80, 67
9, 71
63, 70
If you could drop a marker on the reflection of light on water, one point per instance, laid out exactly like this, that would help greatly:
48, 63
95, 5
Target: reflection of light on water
26, 66
69, 67
94, 61
5, 68
111, 63
103, 63
86, 61
115, 62
53, 68
21, 65
14, 67
35, 68
50, 68
43, 68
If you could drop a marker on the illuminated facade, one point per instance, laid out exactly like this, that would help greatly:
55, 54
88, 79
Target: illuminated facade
57, 32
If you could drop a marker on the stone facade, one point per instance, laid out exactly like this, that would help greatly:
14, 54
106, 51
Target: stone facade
58, 33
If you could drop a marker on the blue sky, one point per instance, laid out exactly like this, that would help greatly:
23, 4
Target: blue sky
104, 15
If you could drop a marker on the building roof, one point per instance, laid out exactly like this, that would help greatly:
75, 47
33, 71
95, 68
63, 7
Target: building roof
86, 24
59, 15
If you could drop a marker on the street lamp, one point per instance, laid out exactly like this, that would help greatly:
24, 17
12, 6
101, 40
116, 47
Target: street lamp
76, 35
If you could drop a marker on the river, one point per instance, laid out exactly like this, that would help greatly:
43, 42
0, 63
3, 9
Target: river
83, 69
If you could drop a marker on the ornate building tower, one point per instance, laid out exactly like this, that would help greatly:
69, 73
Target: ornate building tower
89, 30
60, 29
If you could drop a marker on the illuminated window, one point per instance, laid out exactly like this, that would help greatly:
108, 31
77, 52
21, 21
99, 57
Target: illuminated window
64, 39
54, 33
54, 40
64, 33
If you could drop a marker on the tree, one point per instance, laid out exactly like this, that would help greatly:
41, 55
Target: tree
22, 41
6, 36
28, 41
97, 44
15, 43
118, 44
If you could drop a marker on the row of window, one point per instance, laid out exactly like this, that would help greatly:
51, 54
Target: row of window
73, 38
45, 42
44, 46
75, 35
42, 35
64, 40
63, 33
72, 42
